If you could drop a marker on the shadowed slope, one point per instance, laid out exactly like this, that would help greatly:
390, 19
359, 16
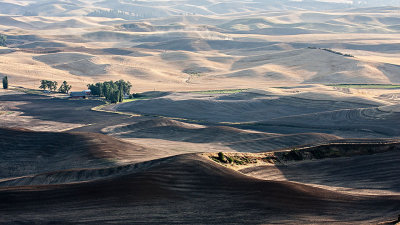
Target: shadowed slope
25, 152
242, 107
166, 190
359, 166
372, 174
169, 192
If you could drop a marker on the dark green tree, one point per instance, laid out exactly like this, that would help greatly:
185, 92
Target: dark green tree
125, 87
108, 89
53, 85
99, 89
120, 95
94, 89
114, 96
5, 82
64, 87
3, 40
43, 84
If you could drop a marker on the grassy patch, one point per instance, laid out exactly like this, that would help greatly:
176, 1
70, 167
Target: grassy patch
134, 99
6, 112
100, 108
233, 159
366, 86
29, 91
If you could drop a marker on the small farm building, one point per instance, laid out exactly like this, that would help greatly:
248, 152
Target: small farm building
78, 94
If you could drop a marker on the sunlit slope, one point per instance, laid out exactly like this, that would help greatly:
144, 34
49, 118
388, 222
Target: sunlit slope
198, 51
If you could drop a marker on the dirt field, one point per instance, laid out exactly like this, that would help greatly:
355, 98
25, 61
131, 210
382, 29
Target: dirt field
252, 112
76, 175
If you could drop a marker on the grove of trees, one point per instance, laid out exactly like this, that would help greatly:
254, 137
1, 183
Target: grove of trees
51, 85
5, 82
112, 91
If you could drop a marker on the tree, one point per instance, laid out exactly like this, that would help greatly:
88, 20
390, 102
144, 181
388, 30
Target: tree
5, 82
44, 84
3, 40
115, 96
120, 95
125, 87
96, 89
64, 87
53, 85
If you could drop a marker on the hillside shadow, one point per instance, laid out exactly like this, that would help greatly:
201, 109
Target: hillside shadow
374, 172
60, 110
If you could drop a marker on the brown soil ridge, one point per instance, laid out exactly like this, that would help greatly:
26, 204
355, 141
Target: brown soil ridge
27, 152
169, 191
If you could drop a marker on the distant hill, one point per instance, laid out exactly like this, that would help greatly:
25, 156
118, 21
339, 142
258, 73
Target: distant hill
158, 8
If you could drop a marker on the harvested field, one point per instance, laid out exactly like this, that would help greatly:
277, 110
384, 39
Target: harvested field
77, 64
44, 113
356, 123
171, 185
235, 139
349, 166
239, 107
240, 112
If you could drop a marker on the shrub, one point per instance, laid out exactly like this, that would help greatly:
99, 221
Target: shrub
221, 157
135, 95
5, 82
294, 154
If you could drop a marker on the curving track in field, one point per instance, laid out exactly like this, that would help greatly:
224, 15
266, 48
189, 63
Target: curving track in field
236, 139
359, 122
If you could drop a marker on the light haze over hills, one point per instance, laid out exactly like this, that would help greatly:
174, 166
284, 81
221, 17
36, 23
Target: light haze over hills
243, 112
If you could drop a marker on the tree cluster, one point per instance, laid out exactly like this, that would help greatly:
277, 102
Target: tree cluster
5, 82
52, 86
332, 51
337, 53
47, 84
3, 40
113, 91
